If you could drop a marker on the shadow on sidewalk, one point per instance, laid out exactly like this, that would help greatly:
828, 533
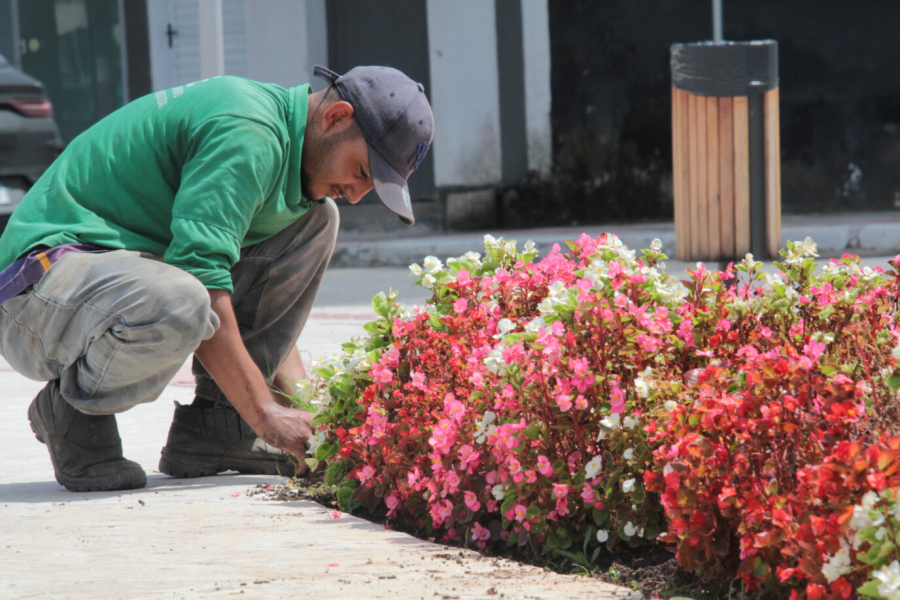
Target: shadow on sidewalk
50, 491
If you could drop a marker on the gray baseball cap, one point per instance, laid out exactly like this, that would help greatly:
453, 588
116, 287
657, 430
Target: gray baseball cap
396, 121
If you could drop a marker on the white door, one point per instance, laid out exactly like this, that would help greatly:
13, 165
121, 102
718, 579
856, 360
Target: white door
175, 40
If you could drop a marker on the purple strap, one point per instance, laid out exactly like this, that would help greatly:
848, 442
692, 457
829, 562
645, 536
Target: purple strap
27, 270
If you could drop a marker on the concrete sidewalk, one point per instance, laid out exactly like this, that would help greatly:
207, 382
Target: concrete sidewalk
859, 233
208, 538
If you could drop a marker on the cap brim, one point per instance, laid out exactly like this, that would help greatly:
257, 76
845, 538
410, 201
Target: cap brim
391, 187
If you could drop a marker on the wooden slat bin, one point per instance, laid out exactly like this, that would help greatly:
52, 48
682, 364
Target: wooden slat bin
726, 150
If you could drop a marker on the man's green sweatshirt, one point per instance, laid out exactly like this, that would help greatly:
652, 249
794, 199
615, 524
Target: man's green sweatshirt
192, 174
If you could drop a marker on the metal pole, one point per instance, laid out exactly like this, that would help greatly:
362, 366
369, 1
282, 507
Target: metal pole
717, 21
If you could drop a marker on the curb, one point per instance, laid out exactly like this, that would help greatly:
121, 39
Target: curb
869, 234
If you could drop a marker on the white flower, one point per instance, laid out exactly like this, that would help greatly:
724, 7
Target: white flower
428, 281
837, 565
629, 423
869, 500
602, 536
316, 441
529, 246
498, 492
494, 361
889, 576
484, 428
807, 247
415, 269
535, 325
630, 529
629, 454
670, 405
642, 387
472, 256
432, 265
509, 247
505, 326
611, 422
627, 486
593, 467
656, 244
557, 288
490, 241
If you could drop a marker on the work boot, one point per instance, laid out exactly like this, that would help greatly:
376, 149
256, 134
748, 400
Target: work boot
86, 450
205, 441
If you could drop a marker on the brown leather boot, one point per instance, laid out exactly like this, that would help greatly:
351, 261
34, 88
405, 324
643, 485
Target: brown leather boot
86, 450
207, 441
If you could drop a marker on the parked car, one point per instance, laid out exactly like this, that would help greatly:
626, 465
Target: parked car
29, 137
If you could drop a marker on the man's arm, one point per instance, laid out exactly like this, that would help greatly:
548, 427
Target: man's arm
227, 360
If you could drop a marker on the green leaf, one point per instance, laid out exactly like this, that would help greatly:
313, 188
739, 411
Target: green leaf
600, 516
894, 381
869, 588
532, 431
312, 463
326, 450
346, 497
334, 473
322, 418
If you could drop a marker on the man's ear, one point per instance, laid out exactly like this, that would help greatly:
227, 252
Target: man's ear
339, 115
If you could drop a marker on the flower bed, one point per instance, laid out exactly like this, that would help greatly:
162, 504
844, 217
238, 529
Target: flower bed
590, 400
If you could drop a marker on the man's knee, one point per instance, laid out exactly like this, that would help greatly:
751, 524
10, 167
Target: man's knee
186, 310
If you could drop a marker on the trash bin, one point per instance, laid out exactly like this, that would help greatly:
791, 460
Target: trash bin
726, 150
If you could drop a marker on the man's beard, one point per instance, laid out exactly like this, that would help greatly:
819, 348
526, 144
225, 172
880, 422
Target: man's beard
318, 152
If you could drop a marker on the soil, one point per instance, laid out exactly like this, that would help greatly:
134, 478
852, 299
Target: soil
653, 570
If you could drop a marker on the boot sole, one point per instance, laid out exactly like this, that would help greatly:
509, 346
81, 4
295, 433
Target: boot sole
188, 466
82, 484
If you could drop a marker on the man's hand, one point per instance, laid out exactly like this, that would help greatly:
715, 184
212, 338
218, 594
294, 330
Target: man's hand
227, 360
287, 429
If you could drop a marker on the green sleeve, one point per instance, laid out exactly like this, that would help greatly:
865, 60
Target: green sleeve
231, 166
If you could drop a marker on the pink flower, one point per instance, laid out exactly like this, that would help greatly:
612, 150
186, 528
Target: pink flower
477, 379
440, 512
460, 306
544, 466
418, 380
381, 374
462, 278
564, 402
530, 476
581, 402
413, 476
391, 502
453, 408
520, 511
616, 398
560, 490
366, 473
814, 349
480, 534
451, 483
471, 500
391, 357
723, 325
